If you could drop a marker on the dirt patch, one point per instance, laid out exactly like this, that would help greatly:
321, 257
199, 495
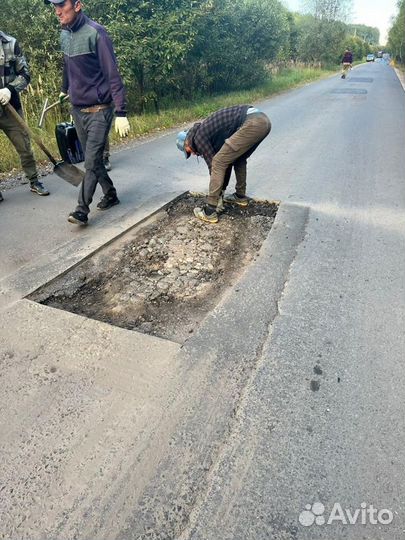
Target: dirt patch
163, 277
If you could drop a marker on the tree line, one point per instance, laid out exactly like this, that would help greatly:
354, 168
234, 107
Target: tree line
179, 49
396, 35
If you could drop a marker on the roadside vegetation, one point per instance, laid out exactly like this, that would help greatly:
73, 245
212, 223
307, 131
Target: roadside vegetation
182, 59
396, 36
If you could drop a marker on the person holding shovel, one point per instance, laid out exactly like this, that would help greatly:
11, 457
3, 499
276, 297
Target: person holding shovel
225, 140
92, 81
15, 77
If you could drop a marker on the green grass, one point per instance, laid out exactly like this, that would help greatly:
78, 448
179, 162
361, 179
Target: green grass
172, 115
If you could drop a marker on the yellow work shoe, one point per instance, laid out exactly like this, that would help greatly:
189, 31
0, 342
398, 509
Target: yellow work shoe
240, 200
206, 215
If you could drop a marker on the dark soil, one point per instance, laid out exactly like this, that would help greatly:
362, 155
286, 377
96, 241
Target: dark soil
162, 278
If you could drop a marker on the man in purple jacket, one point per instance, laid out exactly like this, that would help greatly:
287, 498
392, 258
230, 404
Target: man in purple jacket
95, 89
347, 61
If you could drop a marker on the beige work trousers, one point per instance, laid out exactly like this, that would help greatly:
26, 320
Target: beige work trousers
235, 152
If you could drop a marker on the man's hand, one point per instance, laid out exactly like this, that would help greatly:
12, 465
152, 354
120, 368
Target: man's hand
5, 96
122, 126
63, 97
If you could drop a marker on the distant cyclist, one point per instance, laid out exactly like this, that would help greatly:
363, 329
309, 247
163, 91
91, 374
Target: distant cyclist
347, 61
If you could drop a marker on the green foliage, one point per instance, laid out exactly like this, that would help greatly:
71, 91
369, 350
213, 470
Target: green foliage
151, 39
320, 40
177, 50
324, 41
235, 41
369, 34
174, 113
181, 48
35, 28
329, 10
359, 47
396, 35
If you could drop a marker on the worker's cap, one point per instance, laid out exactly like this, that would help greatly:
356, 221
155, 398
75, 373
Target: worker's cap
181, 141
54, 2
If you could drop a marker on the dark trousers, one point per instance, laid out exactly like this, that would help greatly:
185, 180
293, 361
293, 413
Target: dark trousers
21, 143
92, 130
106, 153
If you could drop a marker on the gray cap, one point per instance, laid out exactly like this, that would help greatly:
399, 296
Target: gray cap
54, 1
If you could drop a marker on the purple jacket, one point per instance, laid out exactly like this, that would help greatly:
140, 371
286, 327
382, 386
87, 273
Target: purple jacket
90, 71
347, 58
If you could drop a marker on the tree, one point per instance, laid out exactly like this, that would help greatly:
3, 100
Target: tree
370, 34
396, 34
236, 40
151, 38
320, 40
329, 10
39, 38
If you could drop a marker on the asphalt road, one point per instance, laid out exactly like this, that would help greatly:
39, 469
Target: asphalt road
301, 402
323, 419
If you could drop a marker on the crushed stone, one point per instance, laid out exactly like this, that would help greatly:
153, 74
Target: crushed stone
164, 278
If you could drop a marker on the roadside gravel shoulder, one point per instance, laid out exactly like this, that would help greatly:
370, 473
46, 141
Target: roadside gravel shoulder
401, 76
16, 177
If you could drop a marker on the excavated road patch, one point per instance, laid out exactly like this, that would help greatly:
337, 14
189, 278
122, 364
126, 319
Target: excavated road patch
164, 276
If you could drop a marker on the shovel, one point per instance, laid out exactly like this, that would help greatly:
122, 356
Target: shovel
66, 171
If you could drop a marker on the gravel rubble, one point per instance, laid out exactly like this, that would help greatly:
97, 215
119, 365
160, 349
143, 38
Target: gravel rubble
164, 278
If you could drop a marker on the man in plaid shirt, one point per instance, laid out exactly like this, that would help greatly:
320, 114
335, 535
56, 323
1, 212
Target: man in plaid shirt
225, 139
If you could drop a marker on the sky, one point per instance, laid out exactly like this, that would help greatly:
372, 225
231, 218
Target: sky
376, 13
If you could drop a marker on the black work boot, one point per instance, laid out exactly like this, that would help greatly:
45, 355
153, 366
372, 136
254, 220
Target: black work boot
1, 197
78, 218
107, 202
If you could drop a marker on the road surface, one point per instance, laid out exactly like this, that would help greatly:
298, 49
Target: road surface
286, 408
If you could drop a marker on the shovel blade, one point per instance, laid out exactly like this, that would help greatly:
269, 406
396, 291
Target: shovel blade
69, 173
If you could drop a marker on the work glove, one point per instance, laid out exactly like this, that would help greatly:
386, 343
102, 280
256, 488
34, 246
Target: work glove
63, 97
122, 126
5, 96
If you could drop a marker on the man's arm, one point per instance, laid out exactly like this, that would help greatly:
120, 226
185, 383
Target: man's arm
65, 79
108, 63
23, 76
205, 148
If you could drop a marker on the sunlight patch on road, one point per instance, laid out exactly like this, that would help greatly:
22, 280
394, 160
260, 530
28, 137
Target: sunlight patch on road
390, 219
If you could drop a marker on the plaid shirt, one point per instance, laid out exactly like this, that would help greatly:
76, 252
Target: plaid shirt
208, 137
14, 73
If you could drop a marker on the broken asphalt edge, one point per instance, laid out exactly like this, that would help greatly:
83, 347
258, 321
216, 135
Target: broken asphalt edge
191, 402
65, 257
215, 366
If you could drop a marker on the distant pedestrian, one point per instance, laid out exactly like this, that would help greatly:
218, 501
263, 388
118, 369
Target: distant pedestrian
14, 78
92, 81
225, 140
347, 61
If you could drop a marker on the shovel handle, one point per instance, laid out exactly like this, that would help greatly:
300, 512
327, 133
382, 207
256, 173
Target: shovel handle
25, 127
52, 105
48, 108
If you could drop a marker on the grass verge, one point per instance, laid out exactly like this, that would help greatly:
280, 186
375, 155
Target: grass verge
172, 115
